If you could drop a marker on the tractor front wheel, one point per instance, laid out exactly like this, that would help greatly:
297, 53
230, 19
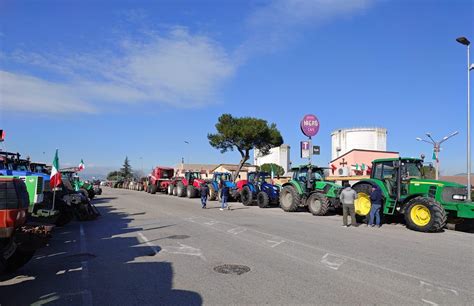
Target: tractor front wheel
425, 215
180, 190
212, 193
246, 196
170, 189
289, 199
263, 199
191, 192
318, 204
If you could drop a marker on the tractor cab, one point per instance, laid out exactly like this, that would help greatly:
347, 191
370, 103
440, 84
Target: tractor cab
257, 177
192, 175
307, 175
39, 168
226, 177
396, 174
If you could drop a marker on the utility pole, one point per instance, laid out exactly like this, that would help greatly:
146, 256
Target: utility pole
436, 148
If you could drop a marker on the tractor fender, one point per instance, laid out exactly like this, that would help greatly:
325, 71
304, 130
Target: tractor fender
408, 199
295, 185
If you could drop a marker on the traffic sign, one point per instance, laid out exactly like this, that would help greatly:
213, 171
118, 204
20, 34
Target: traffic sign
304, 149
316, 150
310, 125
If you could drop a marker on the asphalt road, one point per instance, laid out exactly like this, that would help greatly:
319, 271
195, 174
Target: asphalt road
160, 250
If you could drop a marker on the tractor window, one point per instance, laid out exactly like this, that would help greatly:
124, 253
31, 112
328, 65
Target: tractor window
413, 170
251, 177
377, 174
388, 171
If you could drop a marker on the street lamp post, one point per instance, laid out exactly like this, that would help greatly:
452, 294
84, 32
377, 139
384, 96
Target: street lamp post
436, 148
464, 41
187, 151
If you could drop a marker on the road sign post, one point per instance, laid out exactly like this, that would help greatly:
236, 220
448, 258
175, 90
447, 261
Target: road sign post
310, 127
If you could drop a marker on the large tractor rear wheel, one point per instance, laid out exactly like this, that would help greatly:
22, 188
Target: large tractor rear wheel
246, 196
170, 189
289, 199
153, 189
425, 215
191, 192
16, 260
362, 205
180, 190
263, 200
212, 193
318, 204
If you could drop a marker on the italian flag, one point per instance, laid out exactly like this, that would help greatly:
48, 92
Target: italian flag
55, 178
81, 166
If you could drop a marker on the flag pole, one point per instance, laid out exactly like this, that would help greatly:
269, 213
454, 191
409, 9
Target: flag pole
54, 197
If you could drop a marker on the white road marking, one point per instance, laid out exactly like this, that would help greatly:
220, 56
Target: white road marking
275, 243
184, 250
60, 272
429, 302
86, 293
148, 243
17, 280
431, 288
237, 230
332, 261
211, 223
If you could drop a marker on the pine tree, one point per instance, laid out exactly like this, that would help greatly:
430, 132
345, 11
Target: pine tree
126, 169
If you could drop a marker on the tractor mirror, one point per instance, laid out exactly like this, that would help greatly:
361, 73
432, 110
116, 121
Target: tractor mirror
396, 163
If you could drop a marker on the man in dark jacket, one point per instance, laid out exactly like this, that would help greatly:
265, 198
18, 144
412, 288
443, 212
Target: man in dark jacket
376, 206
204, 193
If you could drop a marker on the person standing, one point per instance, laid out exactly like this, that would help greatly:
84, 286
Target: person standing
224, 196
375, 207
347, 197
204, 194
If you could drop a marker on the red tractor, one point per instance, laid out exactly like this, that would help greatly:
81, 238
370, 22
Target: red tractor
189, 185
18, 240
159, 179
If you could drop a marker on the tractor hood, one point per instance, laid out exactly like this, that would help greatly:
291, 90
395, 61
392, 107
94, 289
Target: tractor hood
420, 182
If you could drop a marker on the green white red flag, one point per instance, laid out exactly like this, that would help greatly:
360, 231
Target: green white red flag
55, 178
81, 166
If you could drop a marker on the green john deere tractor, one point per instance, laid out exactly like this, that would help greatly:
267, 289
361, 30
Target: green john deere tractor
308, 188
424, 204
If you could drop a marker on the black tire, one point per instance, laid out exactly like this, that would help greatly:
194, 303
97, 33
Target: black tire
191, 192
246, 196
362, 190
318, 204
91, 193
64, 218
180, 190
175, 191
263, 200
437, 215
153, 189
290, 199
212, 193
170, 189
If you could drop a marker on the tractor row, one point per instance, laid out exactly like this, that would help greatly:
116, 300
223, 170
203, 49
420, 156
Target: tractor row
29, 208
422, 204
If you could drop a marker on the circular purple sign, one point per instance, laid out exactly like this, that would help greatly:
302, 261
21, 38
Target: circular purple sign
310, 125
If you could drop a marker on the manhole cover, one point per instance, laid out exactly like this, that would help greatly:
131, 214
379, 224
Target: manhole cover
178, 237
232, 269
81, 257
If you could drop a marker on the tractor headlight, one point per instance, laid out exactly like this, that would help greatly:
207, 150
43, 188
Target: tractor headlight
459, 197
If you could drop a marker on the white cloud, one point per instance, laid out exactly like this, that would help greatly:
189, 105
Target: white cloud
179, 69
29, 94
275, 24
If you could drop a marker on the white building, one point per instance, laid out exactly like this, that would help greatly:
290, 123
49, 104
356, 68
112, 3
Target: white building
345, 140
279, 155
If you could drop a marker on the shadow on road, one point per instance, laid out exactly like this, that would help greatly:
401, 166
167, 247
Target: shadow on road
108, 266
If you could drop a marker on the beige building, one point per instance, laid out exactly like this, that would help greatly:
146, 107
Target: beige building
229, 168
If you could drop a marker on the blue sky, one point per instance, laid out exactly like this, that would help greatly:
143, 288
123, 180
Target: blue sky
101, 80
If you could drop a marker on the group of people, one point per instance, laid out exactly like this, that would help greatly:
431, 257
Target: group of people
224, 189
348, 197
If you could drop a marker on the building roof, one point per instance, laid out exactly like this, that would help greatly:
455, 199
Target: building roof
232, 167
364, 150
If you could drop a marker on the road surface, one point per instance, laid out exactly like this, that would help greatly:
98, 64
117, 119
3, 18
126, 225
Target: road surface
158, 250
